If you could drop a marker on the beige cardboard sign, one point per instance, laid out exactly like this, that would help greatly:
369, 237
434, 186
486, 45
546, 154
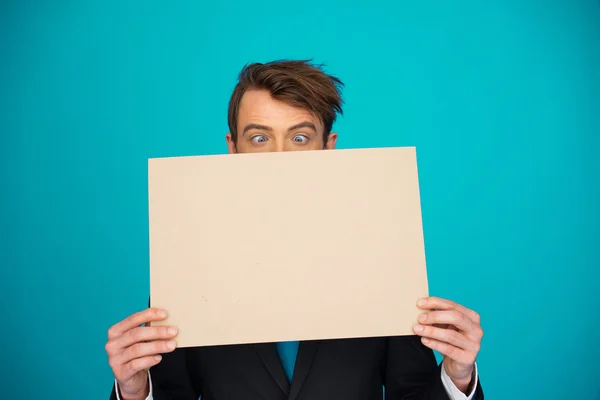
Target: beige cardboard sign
304, 245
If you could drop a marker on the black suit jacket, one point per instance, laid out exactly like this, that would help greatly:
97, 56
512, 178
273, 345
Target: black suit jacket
348, 369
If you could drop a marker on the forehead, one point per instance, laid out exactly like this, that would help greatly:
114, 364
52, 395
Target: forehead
257, 106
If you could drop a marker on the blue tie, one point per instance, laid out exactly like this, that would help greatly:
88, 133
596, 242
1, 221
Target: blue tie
288, 352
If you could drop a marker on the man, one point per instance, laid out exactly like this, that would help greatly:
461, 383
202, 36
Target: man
290, 106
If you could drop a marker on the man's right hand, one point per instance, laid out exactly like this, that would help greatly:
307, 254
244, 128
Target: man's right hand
132, 349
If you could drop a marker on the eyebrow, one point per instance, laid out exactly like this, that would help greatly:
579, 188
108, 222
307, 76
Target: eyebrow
256, 126
304, 124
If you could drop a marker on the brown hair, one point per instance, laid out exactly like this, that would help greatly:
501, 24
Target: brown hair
295, 82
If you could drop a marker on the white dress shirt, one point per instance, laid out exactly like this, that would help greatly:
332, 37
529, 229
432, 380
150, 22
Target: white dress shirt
451, 389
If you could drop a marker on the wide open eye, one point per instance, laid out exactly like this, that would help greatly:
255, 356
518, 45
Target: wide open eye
300, 139
258, 139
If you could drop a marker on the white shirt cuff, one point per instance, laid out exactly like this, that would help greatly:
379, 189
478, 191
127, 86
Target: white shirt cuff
149, 392
453, 391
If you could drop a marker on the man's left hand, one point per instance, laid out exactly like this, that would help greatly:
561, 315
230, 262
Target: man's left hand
455, 332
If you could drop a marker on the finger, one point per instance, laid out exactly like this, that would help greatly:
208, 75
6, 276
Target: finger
140, 334
137, 319
139, 364
449, 336
451, 317
437, 303
140, 350
456, 354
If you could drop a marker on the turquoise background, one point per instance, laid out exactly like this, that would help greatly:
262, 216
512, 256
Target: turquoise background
502, 100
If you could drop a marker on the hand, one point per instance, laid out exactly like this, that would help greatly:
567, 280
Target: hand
455, 332
132, 349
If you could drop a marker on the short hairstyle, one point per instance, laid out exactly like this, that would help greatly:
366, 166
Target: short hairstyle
295, 82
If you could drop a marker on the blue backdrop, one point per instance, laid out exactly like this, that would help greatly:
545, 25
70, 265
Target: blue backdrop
502, 100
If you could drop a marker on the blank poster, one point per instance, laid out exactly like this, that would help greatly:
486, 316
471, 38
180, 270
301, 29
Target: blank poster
265, 247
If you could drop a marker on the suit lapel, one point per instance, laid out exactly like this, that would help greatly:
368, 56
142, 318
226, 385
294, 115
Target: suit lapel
306, 355
269, 356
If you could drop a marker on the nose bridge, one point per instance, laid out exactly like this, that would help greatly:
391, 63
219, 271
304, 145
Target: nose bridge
279, 145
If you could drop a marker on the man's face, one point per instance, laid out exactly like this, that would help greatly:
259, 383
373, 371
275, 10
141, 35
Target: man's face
266, 125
